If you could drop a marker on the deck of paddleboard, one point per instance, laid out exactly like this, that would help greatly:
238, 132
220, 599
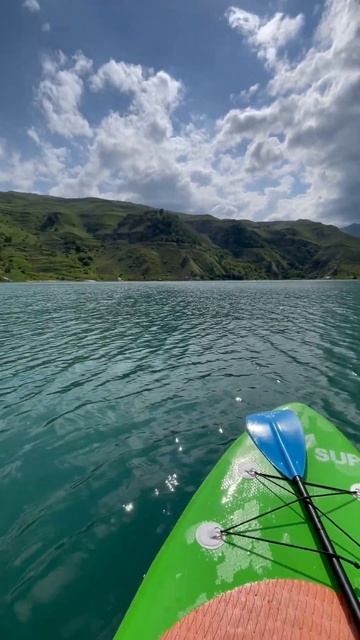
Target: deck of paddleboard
185, 575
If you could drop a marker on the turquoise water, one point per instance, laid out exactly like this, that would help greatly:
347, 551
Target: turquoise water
117, 399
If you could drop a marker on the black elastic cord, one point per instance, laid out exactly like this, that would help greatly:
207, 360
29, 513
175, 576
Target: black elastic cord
275, 483
325, 515
282, 506
325, 486
265, 513
309, 484
292, 546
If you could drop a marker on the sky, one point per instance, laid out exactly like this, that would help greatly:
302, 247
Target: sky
245, 110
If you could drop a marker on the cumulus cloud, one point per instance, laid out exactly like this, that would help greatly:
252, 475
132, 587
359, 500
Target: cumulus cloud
154, 95
266, 36
296, 155
19, 173
60, 92
135, 150
31, 5
315, 107
247, 94
263, 153
148, 88
248, 123
33, 134
125, 77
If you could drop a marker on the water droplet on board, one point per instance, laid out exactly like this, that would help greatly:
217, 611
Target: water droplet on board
128, 507
221, 430
238, 399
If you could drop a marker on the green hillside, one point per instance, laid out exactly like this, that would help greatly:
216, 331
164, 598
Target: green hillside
45, 238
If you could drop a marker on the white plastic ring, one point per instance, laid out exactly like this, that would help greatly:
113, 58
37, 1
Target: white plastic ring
209, 535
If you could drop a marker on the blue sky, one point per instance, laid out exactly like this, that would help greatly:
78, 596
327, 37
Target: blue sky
239, 110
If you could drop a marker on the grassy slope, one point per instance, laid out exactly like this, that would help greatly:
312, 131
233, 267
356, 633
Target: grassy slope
53, 238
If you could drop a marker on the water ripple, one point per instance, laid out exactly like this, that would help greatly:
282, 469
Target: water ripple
116, 401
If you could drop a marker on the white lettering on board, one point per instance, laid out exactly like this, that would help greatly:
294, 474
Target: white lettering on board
353, 459
324, 455
340, 458
309, 440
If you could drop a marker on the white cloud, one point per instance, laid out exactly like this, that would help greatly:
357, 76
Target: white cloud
33, 134
303, 139
31, 5
247, 94
135, 150
295, 156
263, 153
245, 123
315, 108
60, 92
154, 96
46, 27
125, 77
149, 89
244, 21
266, 36
19, 173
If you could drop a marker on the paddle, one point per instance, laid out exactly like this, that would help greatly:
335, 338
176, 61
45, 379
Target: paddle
279, 435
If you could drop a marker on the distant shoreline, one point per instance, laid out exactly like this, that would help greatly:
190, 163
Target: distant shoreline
119, 282
85, 240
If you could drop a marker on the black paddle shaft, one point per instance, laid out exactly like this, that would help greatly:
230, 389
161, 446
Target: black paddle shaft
340, 575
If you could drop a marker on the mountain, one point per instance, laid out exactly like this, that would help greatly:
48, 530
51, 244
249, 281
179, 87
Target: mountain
352, 229
43, 237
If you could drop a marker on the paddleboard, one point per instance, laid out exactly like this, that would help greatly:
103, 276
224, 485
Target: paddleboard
265, 577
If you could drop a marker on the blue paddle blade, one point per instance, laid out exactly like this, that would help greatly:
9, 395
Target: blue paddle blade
279, 435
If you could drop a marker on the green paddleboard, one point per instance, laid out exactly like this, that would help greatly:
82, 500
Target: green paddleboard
186, 574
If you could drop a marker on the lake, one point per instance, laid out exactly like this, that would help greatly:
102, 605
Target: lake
116, 401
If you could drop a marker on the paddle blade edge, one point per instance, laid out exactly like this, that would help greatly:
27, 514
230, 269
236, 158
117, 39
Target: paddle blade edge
279, 435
